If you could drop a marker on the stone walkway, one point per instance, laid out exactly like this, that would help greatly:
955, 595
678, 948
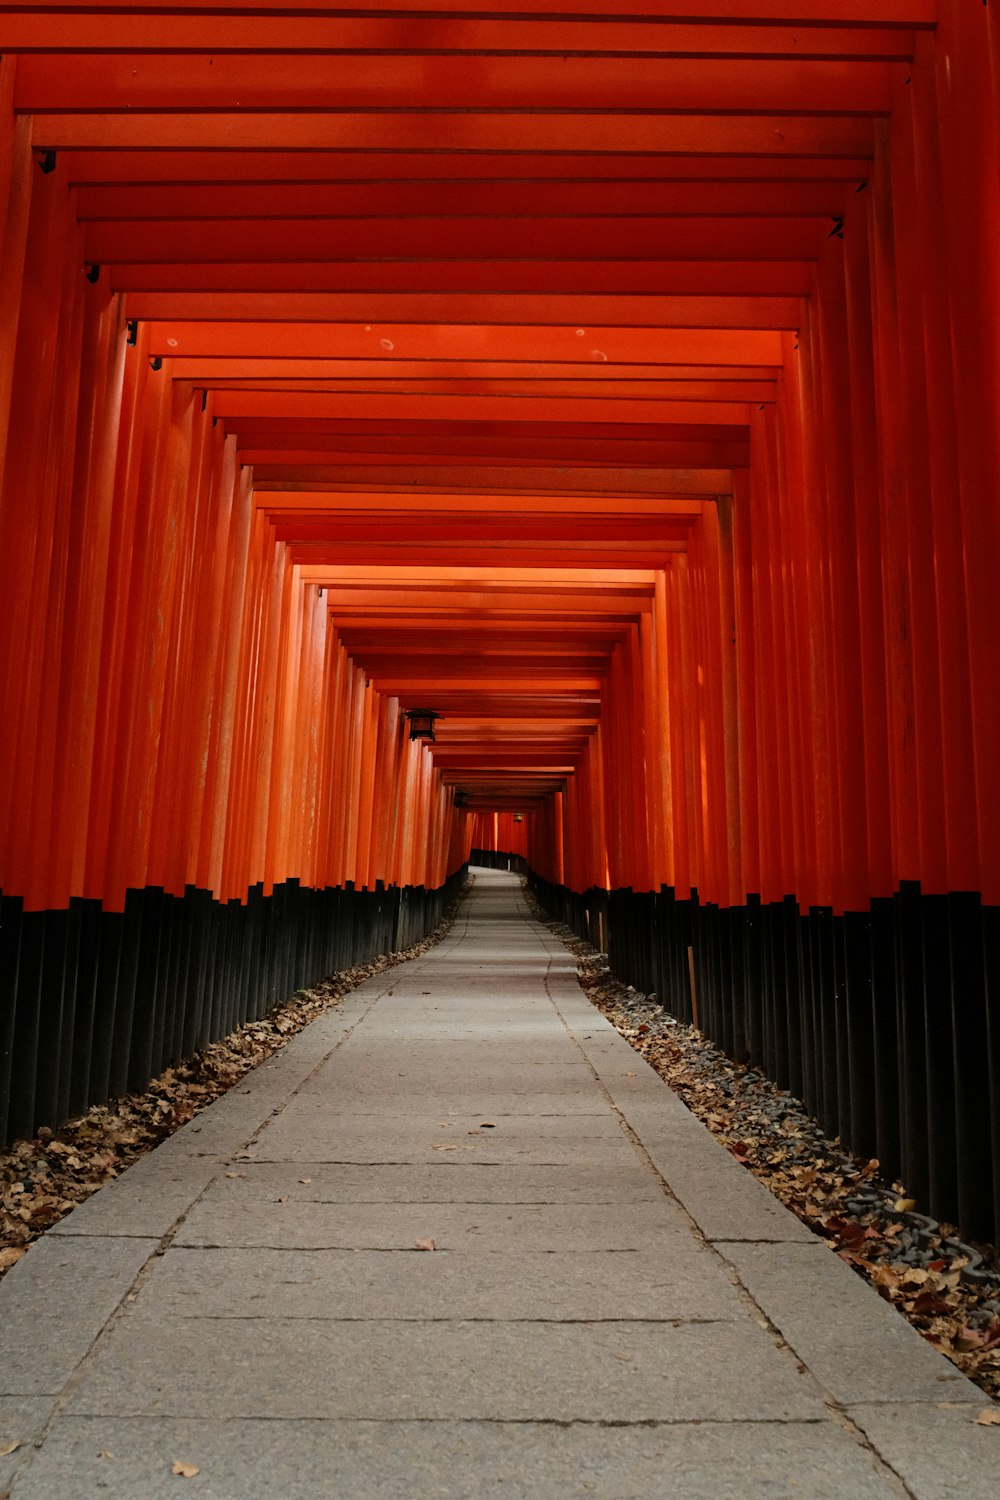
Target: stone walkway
615, 1307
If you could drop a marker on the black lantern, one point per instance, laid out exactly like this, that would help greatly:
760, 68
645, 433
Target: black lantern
422, 723
461, 799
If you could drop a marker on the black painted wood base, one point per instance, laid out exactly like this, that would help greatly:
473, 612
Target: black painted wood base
94, 1004
885, 1022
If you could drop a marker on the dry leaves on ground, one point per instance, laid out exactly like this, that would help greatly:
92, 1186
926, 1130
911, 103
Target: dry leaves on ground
949, 1291
42, 1179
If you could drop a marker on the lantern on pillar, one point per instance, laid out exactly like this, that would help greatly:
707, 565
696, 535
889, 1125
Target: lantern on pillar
422, 723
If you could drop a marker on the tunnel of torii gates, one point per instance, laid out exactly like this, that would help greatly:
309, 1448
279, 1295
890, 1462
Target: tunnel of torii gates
619, 381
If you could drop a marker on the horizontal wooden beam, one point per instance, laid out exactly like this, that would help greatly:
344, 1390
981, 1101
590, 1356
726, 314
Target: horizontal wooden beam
296, 340
594, 389
624, 278
856, 13
543, 486
177, 166
269, 453
241, 30
468, 130
429, 83
233, 406
394, 200
595, 315
568, 506
218, 370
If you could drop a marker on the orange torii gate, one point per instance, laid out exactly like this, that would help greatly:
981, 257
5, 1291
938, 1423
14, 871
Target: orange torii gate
620, 385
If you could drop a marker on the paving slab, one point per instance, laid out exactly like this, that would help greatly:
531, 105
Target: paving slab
461, 1088
449, 1180
369, 1061
410, 1284
146, 1201
255, 1460
501, 1228
402, 1120
55, 1302
857, 1345
940, 1451
22, 1421
555, 1143
478, 1371
722, 1196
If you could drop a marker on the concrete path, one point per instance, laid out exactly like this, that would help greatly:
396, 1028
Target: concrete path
615, 1308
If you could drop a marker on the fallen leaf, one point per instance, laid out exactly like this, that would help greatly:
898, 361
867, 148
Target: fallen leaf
445, 1146
990, 1417
929, 1304
305, 1181
185, 1471
8, 1448
236, 1174
11, 1256
105, 1454
487, 1124
905, 1205
424, 1245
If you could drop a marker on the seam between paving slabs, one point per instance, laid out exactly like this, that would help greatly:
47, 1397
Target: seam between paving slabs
672, 1322
885, 1469
563, 1422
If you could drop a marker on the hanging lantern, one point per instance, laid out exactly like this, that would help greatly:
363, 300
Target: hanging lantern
519, 817
461, 799
422, 723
